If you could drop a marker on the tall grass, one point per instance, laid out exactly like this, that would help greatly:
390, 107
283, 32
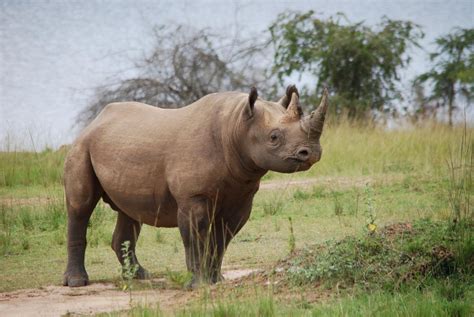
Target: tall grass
44, 223
348, 150
31, 168
352, 150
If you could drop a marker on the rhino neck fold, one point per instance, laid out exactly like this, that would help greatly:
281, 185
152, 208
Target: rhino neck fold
240, 166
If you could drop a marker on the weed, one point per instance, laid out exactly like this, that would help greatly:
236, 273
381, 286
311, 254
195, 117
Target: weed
129, 269
338, 209
291, 238
179, 279
276, 224
159, 238
25, 243
460, 168
272, 208
301, 195
6, 242
318, 192
60, 237
371, 215
26, 218
55, 217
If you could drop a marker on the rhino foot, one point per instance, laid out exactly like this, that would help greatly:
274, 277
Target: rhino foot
142, 274
75, 280
196, 282
217, 278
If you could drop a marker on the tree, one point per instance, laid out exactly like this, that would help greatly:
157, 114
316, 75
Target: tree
185, 65
453, 70
359, 63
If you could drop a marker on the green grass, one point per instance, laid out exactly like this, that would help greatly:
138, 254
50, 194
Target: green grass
31, 169
32, 236
411, 302
365, 176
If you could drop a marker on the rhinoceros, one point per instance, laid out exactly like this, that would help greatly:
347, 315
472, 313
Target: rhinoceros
196, 168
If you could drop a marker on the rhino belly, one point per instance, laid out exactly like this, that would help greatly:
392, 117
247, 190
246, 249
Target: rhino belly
138, 192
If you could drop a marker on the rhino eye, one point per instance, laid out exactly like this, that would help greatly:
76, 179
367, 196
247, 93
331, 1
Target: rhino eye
275, 136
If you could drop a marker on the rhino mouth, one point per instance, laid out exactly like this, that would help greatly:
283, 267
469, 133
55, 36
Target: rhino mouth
296, 160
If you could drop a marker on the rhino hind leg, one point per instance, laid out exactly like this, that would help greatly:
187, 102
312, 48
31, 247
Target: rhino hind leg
128, 229
82, 194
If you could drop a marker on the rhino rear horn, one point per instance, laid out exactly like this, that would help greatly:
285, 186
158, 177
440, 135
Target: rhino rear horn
294, 112
285, 100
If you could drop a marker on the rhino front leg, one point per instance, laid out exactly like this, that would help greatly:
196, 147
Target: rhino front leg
128, 229
194, 218
225, 230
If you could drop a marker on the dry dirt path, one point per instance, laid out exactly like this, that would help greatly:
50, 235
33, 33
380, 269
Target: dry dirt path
335, 182
95, 298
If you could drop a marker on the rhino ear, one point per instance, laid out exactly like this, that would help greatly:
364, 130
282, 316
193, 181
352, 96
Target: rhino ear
285, 100
251, 104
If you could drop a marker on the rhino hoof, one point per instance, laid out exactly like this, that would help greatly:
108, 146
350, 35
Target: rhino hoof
75, 281
217, 278
142, 274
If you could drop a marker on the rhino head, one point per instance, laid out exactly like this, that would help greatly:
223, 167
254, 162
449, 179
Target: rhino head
280, 138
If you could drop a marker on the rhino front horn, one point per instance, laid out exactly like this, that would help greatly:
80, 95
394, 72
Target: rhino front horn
318, 116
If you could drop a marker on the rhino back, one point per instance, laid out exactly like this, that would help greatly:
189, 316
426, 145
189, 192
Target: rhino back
144, 156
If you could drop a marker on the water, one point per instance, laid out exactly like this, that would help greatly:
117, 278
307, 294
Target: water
54, 53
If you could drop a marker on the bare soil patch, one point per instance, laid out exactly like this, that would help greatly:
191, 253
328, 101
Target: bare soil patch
95, 298
340, 182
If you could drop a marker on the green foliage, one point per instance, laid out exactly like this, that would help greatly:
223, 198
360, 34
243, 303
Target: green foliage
452, 74
359, 63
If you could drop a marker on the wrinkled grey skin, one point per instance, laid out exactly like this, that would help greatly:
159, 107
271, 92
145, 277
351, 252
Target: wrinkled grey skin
196, 168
